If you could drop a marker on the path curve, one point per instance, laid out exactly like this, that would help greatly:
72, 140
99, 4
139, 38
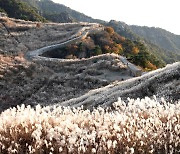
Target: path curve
81, 34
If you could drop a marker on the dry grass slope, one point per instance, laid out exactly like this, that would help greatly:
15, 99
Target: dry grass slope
23, 36
163, 82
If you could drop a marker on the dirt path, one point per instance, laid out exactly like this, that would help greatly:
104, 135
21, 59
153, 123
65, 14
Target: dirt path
81, 34
135, 71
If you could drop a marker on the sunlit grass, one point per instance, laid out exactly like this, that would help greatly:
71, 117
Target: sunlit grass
142, 126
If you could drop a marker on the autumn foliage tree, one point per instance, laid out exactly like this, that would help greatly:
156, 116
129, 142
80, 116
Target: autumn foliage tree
150, 66
106, 48
110, 30
135, 50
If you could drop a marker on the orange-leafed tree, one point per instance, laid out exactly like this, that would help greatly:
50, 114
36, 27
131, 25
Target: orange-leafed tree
117, 49
135, 50
106, 48
110, 30
119, 46
150, 66
122, 38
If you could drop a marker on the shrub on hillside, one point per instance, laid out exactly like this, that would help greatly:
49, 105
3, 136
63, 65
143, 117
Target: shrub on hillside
110, 30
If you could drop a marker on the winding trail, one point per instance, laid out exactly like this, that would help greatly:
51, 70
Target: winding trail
81, 34
93, 81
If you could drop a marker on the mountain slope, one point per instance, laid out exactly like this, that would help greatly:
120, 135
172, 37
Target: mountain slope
162, 83
58, 80
164, 39
49, 9
20, 10
160, 52
54, 80
50, 81
60, 13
